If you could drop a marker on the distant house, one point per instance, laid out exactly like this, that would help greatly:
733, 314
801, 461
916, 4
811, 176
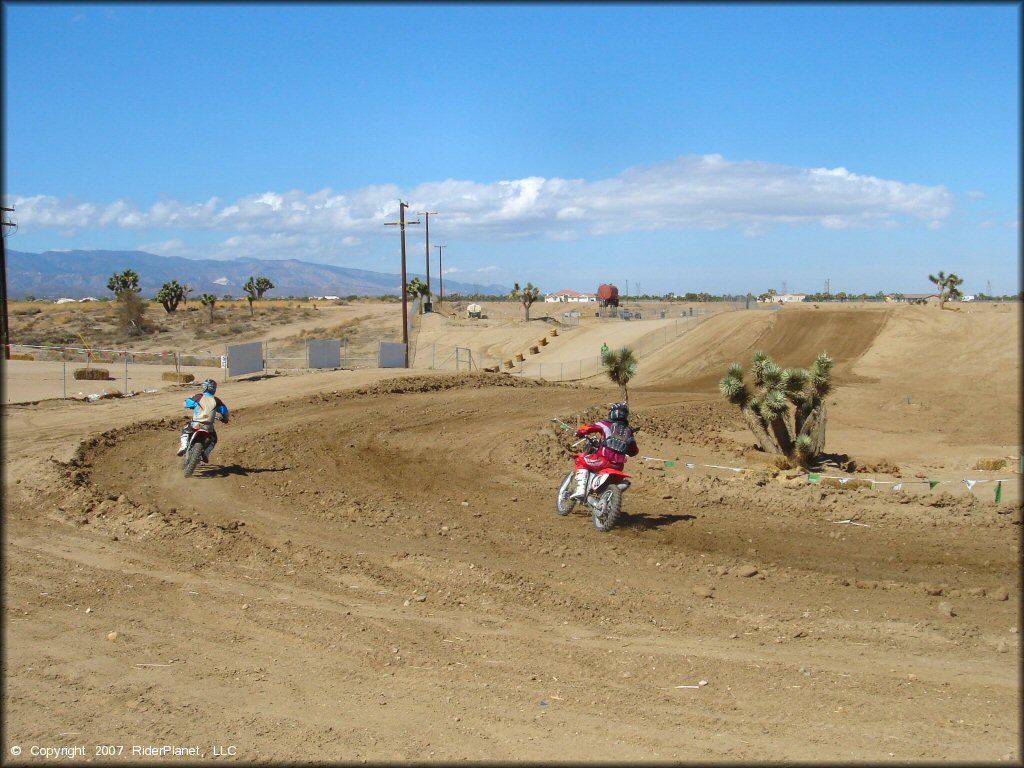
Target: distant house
921, 298
324, 298
89, 298
783, 298
66, 301
567, 295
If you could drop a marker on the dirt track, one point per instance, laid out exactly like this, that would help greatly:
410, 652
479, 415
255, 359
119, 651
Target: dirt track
371, 568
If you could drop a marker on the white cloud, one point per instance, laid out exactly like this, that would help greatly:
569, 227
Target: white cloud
976, 195
705, 192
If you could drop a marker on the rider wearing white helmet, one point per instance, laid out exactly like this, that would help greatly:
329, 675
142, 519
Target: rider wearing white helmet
206, 407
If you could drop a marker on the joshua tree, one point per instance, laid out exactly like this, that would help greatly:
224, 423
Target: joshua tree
170, 295
620, 364
417, 288
526, 296
800, 435
948, 286
127, 281
131, 308
208, 300
255, 287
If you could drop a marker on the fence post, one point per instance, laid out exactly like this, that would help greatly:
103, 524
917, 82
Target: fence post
64, 375
126, 372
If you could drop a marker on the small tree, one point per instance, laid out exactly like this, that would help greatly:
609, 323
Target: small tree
208, 300
170, 295
417, 288
948, 286
130, 306
120, 282
255, 287
620, 365
186, 291
263, 285
800, 435
526, 296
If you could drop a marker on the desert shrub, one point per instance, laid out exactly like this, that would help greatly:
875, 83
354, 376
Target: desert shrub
990, 464
92, 374
111, 394
180, 378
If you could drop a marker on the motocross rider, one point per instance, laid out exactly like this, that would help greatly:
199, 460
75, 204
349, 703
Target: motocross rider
617, 442
206, 406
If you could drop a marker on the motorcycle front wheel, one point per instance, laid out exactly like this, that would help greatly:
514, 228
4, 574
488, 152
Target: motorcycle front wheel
608, 508
565, 505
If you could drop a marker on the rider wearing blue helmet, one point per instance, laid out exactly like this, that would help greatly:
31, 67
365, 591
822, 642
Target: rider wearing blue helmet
206, 407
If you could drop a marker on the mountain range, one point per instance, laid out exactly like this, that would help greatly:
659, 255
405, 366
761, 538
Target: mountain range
78, 274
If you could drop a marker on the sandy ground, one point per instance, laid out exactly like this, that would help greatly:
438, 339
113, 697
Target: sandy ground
371, 567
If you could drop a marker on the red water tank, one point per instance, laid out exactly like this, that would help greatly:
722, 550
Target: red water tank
608, 295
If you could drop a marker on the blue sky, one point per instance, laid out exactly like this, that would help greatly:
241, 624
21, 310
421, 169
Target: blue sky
720, 148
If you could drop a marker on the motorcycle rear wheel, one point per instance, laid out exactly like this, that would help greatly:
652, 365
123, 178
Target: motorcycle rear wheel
192, 457
565, 505
607, 509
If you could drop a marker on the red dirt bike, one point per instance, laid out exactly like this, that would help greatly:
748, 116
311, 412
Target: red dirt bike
604, 490
197, 442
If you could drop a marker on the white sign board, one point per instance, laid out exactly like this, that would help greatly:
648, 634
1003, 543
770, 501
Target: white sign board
391, 355
245, 358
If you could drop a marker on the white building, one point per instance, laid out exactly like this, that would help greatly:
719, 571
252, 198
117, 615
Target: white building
783, 298
569, 295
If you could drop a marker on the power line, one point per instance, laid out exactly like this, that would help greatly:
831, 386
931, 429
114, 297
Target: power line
428, 214
440, 272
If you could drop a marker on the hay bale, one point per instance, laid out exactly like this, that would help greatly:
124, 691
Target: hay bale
519, 357
534, 350
543, 341
92, 374
509, 364
180, 378
554, 331
990, 464
19, 356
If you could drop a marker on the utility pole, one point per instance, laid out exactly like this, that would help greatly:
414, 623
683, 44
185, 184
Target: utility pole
428, 214
3, 278
405, 301
440, 272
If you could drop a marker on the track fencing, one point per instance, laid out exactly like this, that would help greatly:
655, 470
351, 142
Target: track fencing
466, 359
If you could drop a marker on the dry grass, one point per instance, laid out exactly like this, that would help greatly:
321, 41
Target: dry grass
92, 374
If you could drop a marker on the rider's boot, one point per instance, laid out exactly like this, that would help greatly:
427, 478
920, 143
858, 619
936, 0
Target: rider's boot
184, 444
207, 452
581, 485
